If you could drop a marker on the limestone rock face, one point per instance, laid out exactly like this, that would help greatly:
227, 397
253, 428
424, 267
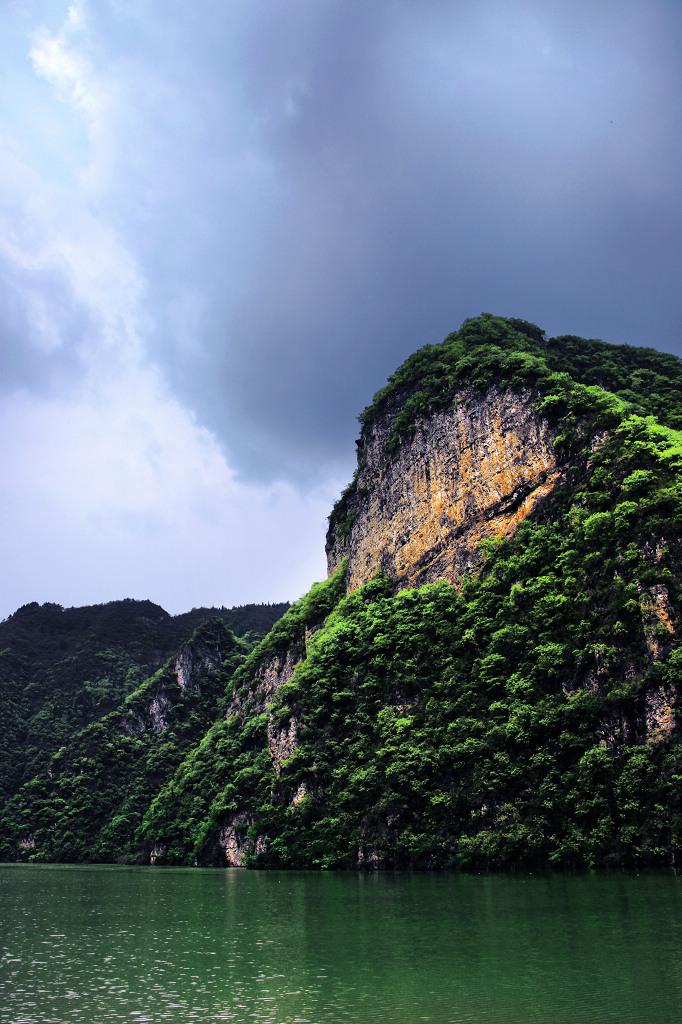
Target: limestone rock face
264, 686
192, 664
282, 740
232, 840
472, 471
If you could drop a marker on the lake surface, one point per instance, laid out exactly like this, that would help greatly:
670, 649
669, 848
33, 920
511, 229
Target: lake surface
100, 944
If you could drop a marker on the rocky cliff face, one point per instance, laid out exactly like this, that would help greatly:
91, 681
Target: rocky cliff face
473, 471
154, 706
233, 838
527, 715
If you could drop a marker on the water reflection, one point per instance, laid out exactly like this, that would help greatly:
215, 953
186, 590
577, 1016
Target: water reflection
137, 944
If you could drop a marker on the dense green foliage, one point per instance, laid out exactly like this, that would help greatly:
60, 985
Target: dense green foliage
91, 800
530, 717
63, 668
247, 620
489, 350
650, 381
501, 725
186, 815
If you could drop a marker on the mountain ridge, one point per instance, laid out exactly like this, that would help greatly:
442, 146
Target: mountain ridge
518, 709
62, 668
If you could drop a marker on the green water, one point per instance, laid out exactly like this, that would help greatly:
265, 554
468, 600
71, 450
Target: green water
101, 944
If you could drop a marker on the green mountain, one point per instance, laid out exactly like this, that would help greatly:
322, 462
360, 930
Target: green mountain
62, 668
487, 679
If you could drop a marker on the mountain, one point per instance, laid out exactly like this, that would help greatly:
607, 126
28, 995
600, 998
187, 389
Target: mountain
489, 676
62, 668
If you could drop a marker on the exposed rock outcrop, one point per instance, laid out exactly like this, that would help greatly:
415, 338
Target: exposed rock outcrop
475, 470
153, 710
265, 684
281, 742
233, 837
232, 840
258, 700
657, 618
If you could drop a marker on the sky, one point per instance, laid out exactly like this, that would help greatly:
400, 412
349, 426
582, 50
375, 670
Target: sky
224, 224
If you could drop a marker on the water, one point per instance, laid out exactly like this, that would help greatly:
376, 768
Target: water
100, 944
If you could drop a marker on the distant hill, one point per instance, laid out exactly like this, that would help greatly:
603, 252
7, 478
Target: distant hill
61, 668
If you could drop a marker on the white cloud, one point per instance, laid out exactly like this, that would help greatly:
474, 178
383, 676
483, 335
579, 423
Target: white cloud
109, 487
115, 491
57, 59
258, 210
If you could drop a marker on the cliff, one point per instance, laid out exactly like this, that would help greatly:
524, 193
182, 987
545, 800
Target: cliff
525, 712
488, 678
473, 471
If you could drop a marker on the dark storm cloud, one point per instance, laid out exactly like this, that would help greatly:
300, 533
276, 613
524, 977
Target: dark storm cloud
313, 190
244, 216
416, 164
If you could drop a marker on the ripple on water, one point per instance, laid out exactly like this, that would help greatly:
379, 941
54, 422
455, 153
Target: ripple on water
112, 945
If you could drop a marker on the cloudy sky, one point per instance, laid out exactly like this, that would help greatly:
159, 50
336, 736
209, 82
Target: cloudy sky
224, 223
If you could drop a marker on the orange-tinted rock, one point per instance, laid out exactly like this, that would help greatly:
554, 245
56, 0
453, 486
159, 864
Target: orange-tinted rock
473, 471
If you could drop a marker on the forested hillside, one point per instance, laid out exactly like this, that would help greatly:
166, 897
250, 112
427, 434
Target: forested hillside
61, 668
522, 711
98, 786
